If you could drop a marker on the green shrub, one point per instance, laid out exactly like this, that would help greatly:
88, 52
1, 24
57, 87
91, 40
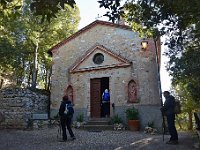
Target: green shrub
79, 118
116, 119
151, 124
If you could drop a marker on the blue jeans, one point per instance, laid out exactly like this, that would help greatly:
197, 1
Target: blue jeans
171, 127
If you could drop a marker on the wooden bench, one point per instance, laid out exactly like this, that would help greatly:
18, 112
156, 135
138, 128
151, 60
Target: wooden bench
197, 121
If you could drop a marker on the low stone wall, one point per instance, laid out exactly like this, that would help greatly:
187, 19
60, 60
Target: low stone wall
18, 106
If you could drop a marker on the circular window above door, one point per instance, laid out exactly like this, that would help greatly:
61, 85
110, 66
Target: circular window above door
98, 58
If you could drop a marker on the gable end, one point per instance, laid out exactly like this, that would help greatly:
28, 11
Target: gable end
118, 60
54, 48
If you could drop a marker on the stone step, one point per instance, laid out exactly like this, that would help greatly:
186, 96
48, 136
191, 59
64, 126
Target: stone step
98, 122
97, 127
99, 119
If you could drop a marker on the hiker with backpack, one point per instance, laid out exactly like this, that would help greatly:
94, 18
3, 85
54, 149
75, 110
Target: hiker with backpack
169, 111
106, 103
66, 112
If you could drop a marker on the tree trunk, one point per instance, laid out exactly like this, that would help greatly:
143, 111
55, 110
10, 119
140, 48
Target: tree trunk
1, 83
49, 78
190, 126
46, 79
35, 69
179, 123
29, 75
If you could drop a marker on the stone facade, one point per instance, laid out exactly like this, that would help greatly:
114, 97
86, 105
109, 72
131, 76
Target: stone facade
124, 62
19, 107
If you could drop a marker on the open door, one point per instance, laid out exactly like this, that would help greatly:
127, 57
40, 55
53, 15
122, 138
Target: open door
97, 87
95, 98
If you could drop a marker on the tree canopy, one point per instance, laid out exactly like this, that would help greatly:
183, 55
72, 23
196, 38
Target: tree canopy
25, 40
47, 9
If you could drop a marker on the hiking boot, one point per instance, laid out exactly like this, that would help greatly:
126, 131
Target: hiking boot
173, 142
63, 140
73, 138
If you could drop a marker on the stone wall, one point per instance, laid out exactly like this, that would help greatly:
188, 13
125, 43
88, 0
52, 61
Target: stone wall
18, 107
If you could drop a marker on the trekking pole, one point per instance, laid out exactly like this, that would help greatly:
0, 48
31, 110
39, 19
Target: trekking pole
60, 128
159, 85
163, 126
59, 134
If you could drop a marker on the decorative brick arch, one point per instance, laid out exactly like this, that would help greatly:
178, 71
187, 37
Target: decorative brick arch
132, 92
69, 93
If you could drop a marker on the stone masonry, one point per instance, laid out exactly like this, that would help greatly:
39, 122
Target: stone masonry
19, 107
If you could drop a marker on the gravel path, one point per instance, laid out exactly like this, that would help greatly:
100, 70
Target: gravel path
46, 139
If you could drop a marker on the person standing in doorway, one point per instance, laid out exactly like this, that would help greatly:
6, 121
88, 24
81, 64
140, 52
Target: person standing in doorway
106, 102
168, 110
66, 112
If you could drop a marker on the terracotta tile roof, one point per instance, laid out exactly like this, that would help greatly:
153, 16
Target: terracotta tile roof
86, 28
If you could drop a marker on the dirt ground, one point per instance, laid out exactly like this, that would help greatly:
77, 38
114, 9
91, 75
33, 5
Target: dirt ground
48, 139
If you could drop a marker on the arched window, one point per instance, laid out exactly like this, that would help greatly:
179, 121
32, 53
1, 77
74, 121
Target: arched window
132, 92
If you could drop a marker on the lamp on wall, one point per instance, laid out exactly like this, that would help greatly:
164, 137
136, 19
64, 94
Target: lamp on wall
144, 44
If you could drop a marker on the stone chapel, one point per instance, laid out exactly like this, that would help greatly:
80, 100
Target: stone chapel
102, 56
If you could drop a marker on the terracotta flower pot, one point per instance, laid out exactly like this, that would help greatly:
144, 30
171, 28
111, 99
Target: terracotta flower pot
134, 125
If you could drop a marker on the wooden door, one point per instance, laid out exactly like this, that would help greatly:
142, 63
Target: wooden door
95, 98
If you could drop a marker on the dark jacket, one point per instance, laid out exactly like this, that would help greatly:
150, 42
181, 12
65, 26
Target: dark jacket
66, 109
169, 105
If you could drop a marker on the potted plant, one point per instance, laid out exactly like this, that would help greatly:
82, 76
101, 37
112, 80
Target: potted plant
132, 115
